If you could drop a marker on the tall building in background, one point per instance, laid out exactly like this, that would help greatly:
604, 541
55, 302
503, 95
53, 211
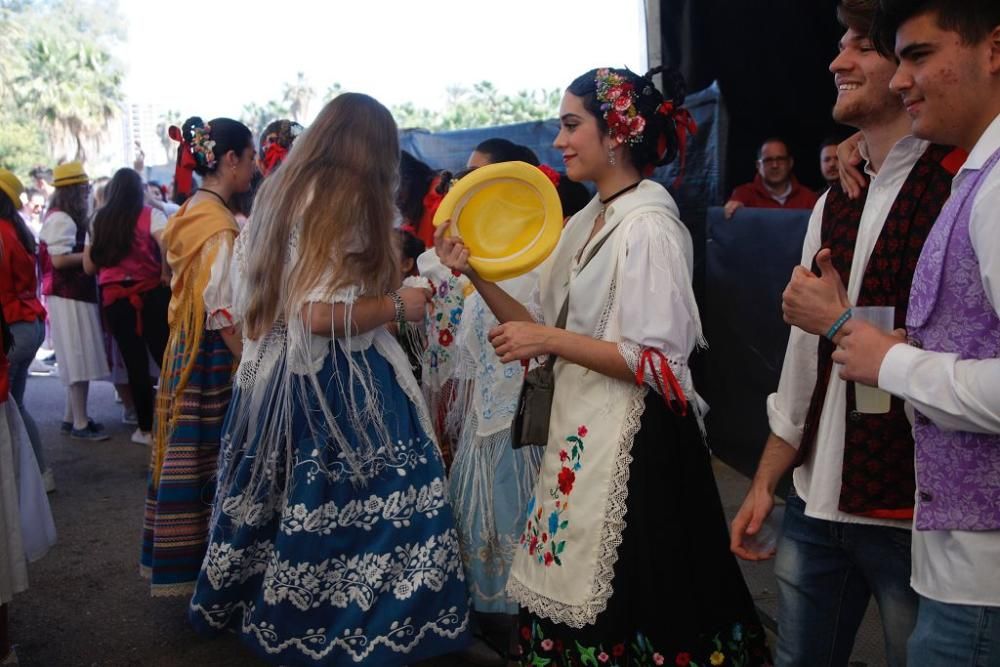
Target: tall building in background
143, 119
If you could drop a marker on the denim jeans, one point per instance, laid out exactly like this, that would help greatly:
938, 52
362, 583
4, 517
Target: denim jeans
827, 571
27, 337
955, 635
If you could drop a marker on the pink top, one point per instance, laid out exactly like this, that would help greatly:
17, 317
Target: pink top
142, 262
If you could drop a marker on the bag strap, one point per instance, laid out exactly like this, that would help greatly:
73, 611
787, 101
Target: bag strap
564, 311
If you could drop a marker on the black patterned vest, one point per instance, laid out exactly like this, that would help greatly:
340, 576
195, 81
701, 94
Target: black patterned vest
878, 477
67, 283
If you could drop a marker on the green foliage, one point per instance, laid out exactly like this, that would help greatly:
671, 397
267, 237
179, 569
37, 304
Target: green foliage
56, 69
22, 145
257, 116
482, 106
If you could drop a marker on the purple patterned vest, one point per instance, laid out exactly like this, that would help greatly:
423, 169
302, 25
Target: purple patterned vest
958, 472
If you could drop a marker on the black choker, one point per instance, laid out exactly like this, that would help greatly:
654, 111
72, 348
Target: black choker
224, 203
605, 202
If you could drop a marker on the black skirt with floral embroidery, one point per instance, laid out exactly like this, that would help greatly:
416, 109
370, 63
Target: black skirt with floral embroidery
679, 597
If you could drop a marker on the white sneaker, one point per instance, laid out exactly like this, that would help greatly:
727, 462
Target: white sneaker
11, 658
48, 481
129, 417
142, 437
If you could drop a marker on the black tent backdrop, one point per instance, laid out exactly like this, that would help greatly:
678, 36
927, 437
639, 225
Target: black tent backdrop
771, 61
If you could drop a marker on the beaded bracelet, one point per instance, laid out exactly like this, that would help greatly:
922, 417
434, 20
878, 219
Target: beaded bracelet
839, 323
397, 302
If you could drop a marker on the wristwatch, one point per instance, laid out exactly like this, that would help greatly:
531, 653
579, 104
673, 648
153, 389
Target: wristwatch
397, 301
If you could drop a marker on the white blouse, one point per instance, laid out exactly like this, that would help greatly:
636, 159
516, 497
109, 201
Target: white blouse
218, 294
58, 233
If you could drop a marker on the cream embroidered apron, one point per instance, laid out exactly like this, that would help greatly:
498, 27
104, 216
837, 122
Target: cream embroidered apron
564, 567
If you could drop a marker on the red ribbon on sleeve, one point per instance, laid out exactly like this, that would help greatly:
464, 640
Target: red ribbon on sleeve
649, 357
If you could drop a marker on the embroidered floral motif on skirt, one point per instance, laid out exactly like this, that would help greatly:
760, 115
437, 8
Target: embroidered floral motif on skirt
679, 597
351, 566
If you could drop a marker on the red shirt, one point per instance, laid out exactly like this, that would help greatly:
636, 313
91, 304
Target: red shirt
18, 279
755, 195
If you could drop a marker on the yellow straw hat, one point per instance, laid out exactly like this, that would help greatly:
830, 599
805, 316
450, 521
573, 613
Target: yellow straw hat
11, 186
69, 173
509, 216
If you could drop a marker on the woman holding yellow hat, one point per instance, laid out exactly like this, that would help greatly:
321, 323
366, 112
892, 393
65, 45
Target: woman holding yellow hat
71, 297
624, 554
21, 308
490, 482
202, 351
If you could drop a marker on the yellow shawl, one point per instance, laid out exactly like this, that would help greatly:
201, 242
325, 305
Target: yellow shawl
185, 236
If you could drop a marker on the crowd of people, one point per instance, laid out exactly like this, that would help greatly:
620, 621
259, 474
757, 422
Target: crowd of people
331, 393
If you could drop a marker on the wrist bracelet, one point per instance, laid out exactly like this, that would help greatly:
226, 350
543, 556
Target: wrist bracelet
839, 323
397, 302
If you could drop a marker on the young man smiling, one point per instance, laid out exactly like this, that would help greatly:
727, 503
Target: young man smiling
847, 528
949, 82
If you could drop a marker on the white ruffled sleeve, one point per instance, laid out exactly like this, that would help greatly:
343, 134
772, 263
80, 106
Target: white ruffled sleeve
58, 233
658, 313
218, 294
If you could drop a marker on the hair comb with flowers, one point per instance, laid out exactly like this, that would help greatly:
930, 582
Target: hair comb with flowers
202, 146
617, 97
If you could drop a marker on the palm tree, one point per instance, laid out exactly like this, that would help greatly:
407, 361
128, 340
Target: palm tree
297, 96
75, 89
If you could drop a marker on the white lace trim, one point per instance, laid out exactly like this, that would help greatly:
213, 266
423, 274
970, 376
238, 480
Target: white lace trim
632, 353
609, 308
577, 616
402, 637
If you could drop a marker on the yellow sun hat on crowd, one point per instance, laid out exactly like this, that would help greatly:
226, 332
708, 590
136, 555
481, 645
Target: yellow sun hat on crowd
69, 173
508, 215
11, 186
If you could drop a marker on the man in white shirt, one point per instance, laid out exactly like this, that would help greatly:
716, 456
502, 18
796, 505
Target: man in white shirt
949, 80
846, 528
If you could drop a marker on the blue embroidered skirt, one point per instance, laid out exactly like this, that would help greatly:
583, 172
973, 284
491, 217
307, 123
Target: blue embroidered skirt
346, 571
491, 484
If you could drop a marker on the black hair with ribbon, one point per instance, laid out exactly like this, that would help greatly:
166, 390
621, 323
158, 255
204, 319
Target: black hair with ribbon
661, 135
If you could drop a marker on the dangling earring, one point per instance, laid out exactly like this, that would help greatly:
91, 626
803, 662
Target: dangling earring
611, 157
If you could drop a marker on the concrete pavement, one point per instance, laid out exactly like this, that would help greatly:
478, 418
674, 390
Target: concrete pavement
87, 605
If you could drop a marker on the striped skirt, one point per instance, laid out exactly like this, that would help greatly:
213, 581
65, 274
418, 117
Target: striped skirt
175, 525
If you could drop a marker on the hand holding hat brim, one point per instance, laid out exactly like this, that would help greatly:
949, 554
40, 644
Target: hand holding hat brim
508, 218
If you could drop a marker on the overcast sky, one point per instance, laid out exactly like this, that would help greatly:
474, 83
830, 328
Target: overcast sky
210, 57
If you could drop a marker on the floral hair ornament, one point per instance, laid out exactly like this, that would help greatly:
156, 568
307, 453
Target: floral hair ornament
550, 173
202, 146
276, 143
617, 97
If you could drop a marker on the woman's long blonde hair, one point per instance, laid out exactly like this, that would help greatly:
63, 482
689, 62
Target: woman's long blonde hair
338, 186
